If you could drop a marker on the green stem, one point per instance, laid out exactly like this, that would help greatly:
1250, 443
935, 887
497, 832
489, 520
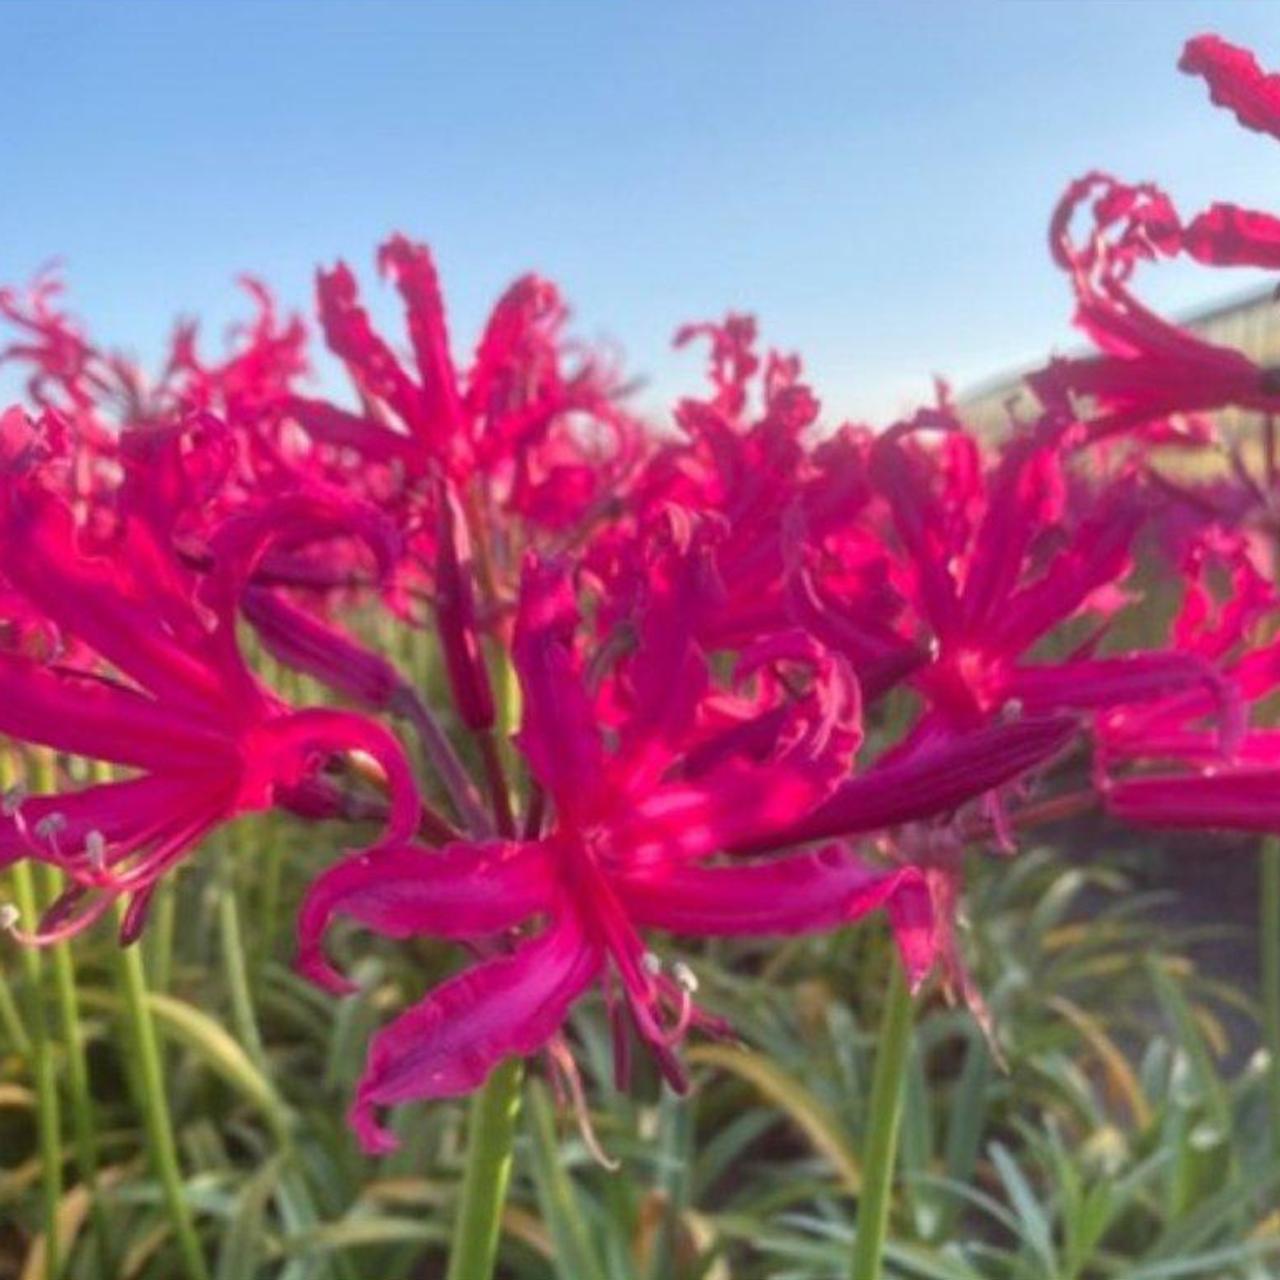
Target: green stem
882, 1135
83, 1127
491, 1128
145, 1049
42, 1069
1269, 942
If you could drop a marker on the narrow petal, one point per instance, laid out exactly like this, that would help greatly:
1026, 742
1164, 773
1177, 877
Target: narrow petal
449, 1043
799, 894
463, 891
931, 781
120, 812
1025, 496
1224, 801
107, 602
306, 643
1105, 682
329, 425
83, 715
558, 731
456, 617
920, 523
414, 272
351, 336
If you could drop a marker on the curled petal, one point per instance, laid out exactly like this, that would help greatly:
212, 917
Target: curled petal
285, 750
463, 891
449, 1043
286, 523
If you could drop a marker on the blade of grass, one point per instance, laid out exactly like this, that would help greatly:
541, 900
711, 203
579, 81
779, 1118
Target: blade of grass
1269, 947
48, 1119
575, 1256
144, 1050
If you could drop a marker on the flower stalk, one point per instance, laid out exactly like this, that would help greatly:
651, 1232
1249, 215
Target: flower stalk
490, 1132
885, 1111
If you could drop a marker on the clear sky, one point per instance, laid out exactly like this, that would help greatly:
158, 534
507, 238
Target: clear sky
872, 180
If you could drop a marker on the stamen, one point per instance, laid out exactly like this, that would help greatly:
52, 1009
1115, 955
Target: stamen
685, 977
50, 825
572, 1078
9, 917
684, 1016
13, 800
95, 848
652, 963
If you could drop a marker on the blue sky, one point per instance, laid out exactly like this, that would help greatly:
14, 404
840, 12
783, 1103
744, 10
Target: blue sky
873, 181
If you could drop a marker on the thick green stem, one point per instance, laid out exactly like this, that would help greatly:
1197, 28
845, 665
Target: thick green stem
1269, 945
48, 1122
491, 1128
149, 1072
881, 1150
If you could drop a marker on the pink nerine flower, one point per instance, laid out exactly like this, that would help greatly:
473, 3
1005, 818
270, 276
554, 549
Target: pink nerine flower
147, 675
628, 849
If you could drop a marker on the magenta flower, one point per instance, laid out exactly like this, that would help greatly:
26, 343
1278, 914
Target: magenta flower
628, 849
153, 681
1149, 367
509, 417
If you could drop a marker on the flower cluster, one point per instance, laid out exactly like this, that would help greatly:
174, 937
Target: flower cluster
756, 675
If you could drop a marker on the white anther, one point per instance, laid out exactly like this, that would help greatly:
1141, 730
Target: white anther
685, 977
95, 848
13, 800
50, 825
1013, 708
933, 648
652, 963
9, 916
